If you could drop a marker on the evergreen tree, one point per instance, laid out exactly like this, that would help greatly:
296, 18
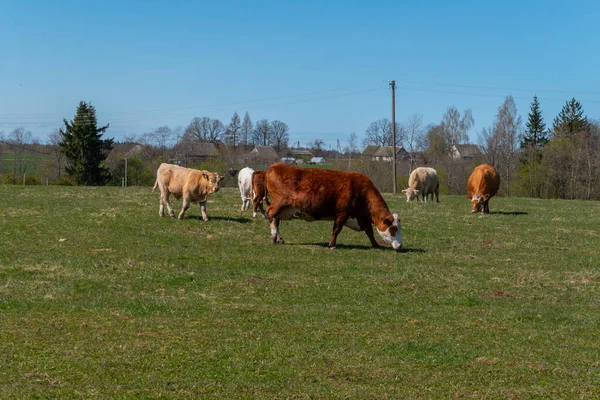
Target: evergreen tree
535, 134
84, 148
570, 121
233, 130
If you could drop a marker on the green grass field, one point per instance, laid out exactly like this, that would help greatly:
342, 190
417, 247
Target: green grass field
99, 297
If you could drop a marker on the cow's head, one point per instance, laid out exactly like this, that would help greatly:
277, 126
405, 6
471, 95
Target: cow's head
213, 180
411, 194
391, 231
478, 201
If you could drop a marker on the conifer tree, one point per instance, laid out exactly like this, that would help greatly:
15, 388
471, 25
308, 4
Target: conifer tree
84, 148
570, 121
535, 134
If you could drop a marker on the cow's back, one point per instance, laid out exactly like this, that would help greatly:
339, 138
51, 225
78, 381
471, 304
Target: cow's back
424, 179
318, 192
484, 180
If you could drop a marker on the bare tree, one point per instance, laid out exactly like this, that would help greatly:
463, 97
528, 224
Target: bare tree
456, 128
500, 143
19, 138
317, 147
490, 145
216, 130
351, 147
413, 128
54, 138
261, 133
379, 133
198, 129
279, 135
247, 129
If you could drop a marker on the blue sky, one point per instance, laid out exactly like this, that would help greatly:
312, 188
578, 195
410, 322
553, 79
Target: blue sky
322, 67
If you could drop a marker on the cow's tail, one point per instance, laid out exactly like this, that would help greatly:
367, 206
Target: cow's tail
155, 185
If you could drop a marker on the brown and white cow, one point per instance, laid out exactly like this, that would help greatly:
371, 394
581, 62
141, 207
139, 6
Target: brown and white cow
190, 184
482, 185
348, 198
259, 191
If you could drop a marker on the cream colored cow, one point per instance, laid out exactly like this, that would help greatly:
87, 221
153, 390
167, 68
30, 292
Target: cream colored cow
190, 184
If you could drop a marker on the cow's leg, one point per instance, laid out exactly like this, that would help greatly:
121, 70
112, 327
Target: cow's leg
340, 220
365, 224
165, 201
437, 194
203, 210
273, 212
486, 208
256, 204
184, 206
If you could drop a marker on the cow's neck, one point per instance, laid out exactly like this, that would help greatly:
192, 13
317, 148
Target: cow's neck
378, 208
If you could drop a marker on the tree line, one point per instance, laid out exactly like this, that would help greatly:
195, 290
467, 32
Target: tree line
559, 161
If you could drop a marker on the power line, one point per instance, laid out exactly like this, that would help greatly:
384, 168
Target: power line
504, 89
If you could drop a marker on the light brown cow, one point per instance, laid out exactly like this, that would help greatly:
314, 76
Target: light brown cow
482, 185
190, 184
348, 198
259, 190
423, 181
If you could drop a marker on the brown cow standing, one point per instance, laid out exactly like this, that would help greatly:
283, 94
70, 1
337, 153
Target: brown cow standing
259, 190
190, 184
348, 198
483, 185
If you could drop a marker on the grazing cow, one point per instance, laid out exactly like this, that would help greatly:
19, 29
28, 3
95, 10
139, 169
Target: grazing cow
191, 184
348, 198
423, 181
245, 185
259, 190
483, 185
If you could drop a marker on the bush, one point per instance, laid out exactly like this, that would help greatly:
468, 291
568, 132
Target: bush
65, 182
32, 180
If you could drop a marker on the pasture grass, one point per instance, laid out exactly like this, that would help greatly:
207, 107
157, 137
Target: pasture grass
99, 297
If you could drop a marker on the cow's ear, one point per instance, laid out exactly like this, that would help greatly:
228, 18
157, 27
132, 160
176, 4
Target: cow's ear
486, 197
205, 176
221, 178
416, 191
405, 190
469, 196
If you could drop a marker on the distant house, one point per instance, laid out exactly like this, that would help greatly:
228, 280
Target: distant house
386, 153
288, 160
317, 160
192, 152
262, 154
369, 150
299, 153
465, 151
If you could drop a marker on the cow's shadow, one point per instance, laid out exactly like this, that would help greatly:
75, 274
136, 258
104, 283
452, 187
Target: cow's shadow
240, 220
356, 247
509, 212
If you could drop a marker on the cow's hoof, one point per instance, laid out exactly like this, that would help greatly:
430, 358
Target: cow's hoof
265, 216
274, 240
331, 248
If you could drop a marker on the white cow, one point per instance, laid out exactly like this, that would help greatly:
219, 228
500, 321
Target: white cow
245, 185
423, 181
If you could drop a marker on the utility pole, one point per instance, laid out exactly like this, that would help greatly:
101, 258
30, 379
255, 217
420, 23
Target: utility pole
393, 86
